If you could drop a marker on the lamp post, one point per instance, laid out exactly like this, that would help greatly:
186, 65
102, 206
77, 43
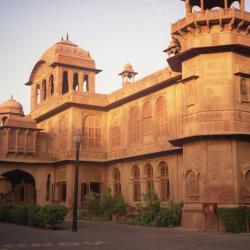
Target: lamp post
77, 140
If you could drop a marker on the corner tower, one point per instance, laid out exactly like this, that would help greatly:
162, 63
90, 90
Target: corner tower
64, 68
211, 48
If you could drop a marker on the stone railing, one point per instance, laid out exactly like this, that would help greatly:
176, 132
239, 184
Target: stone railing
209, 15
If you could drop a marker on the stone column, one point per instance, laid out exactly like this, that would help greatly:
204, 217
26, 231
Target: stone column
202, 5
242, 5
188, 7
225, 4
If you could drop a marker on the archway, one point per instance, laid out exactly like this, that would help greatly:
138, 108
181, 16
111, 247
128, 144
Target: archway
22, 186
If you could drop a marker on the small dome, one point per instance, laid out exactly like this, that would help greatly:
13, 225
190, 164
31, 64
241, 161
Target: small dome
128, 67
11, 107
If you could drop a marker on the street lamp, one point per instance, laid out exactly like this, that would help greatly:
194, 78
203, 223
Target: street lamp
77, 140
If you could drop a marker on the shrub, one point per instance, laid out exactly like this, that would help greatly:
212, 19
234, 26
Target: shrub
233, 219
147, 217
5, 212
82, 214
19, 215
93, 205
33, 214
161, 219
247, 213
120, 207
152, 201
52, 215
107, 204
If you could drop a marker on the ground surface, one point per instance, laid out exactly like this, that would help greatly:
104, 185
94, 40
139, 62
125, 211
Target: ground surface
109, 236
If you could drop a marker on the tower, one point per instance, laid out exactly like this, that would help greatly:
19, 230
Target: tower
211, 48
128, 74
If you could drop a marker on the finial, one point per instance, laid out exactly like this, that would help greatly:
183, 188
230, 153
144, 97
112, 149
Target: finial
62, 38
11, 97
67, 38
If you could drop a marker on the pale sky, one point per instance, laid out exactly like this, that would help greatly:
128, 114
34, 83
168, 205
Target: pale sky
113, 31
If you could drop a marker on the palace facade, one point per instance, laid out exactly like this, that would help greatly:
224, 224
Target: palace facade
183, 131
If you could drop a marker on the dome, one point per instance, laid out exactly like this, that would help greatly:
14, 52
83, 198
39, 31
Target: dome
66, 52
11, 107
128, 67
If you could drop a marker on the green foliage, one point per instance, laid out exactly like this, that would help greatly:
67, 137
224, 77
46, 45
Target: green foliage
233, 219
107, 204
33, 214
147, 217
52, 215
5, 212
18, 215
152, 201
247, 213
161, 219
120, 206
93, 204
82, 214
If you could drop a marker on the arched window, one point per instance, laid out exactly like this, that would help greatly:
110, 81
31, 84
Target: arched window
147, 122
117, 182
75, 82
164, 182
51, 84
192, 186
136, 183
44, 90
115, 131
48, 187
149, 177
86, 83
3, 120
38, 94
161, 129
65, 84
92, 133
134, 125
247, 180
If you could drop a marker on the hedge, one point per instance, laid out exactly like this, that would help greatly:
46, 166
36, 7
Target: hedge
234, 219
49, 216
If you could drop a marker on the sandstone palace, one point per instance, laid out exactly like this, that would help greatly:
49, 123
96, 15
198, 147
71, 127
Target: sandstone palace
183, 130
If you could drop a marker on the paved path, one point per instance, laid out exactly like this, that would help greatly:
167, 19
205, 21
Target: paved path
109, 236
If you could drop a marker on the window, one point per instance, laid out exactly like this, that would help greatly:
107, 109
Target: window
3, 121
149, 177
244, 90
134, 125
51, 84
75, 82
115, 131
44, 91
48, 187
92, 133
62, 188
84, 192
136, 184
147, 123
161, 118
21, 140
117, 182
86, 83
247, 180
65, 84
12, 140
164, 182
192, 186
38, 94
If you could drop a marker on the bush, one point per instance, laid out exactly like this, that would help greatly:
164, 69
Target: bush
82, 214
33, 214
161, 219
52, 215
120, 207
107, 204
233, 219
18, 215
93, 205
152, 201
247, 213
5, 212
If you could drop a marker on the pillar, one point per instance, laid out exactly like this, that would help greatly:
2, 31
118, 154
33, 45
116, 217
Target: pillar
188, 7
242, 5
225, 4
202, 5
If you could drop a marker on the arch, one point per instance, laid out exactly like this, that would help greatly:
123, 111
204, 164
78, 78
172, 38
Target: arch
136, 183
247, 180
75, 82
51, 85
38, 94
161, 121
192, 185
115, 131
196, 8
44, 90
92, 133
86, 83
164, 182
65, 83
134, 125
149, 177
117, 182
3, 120
147, 122
22, 186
